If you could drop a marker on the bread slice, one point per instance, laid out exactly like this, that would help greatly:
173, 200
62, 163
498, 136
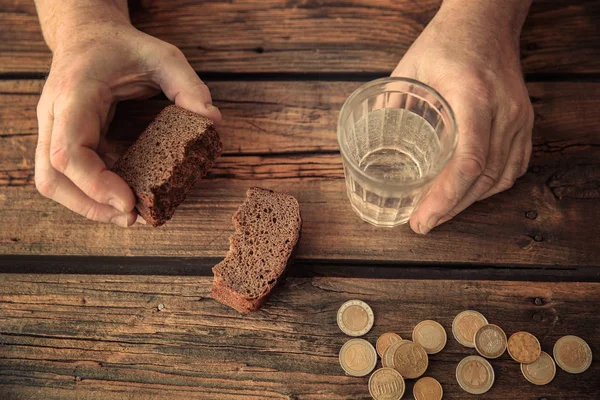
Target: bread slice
267, 230
173, 153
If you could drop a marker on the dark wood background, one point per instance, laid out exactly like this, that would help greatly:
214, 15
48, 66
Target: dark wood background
78, 300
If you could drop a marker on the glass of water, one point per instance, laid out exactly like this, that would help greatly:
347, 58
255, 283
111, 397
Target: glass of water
395, 136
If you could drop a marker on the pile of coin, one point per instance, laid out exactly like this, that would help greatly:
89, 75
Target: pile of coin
401, 359
408, 359
476, 375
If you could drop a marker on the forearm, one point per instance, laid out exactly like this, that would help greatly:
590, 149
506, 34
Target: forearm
61, 19
502, 16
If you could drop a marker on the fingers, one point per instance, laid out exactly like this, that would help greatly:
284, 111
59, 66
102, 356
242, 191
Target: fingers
55, 131
75, 137
516, 165
464, 168
181, 84
492, 176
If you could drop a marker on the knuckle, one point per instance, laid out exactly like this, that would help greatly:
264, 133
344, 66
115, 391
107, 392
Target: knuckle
45, 185
505, 183
488, 178
92, 212
173, 51
515, 110
523, 168
471, 165
59, 158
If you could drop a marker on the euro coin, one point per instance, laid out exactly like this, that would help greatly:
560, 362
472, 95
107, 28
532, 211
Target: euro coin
541, 371
358, 357
355, 318
430, 335
410, 359
388, 355
386, 340
465, 325
386, 384
572, 354
427, 388
490, 341
475, 375
523, 347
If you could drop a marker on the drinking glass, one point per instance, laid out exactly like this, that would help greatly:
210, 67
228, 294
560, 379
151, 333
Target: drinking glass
395, 136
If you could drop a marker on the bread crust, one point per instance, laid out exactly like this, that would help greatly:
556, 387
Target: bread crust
227, 295
172, 154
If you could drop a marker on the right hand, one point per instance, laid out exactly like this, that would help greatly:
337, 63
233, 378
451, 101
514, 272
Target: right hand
98, 66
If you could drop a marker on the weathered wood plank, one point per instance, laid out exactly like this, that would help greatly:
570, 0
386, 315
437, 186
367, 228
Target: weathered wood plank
81, 336
318, 36
527, 226
549, 218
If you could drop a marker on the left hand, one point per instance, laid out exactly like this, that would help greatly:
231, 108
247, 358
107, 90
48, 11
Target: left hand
472, 60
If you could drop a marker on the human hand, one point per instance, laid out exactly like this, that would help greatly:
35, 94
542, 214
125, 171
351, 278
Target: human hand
94, 67
469, 53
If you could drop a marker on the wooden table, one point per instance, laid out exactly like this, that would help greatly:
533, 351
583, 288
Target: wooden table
90, 311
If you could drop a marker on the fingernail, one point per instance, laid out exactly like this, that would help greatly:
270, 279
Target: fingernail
121, 220
117, 204
110, 159
433, 221
210, 107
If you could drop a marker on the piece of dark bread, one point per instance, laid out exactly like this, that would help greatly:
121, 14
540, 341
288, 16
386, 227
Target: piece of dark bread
267, 230
173, 153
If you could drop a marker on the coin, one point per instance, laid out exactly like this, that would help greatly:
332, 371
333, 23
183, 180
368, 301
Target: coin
427, 388
475, 374
385, 341
355, 318
388, 355
490, 341
523, 347
358, 357
541, 371
572, 354
386, 384
410, 359
431, 335
465, 325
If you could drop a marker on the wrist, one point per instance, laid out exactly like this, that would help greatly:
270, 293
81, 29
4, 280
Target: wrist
65, 21
504, 19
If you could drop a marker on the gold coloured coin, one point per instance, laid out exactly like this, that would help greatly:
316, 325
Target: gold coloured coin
431, 335
386, 340
358, 357
572, 354
541, 371
410, 359
386, 384
427, 388
355, 318
475, 374
490, 341
523, 347
465, 325
388, 355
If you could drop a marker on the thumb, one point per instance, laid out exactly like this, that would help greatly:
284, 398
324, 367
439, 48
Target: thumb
181, 84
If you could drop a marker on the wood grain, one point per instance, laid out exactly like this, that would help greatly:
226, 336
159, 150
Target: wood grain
80, 336
549, 217
311, 35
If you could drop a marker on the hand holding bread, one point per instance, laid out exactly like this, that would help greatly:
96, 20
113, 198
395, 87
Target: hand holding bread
93, 69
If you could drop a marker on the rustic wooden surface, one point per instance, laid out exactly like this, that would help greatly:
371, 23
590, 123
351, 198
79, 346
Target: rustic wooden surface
311, 35
279, 134
280, 71
100, 337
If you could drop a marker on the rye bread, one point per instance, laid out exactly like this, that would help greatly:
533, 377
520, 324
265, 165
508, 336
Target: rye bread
172, 154
267, 230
